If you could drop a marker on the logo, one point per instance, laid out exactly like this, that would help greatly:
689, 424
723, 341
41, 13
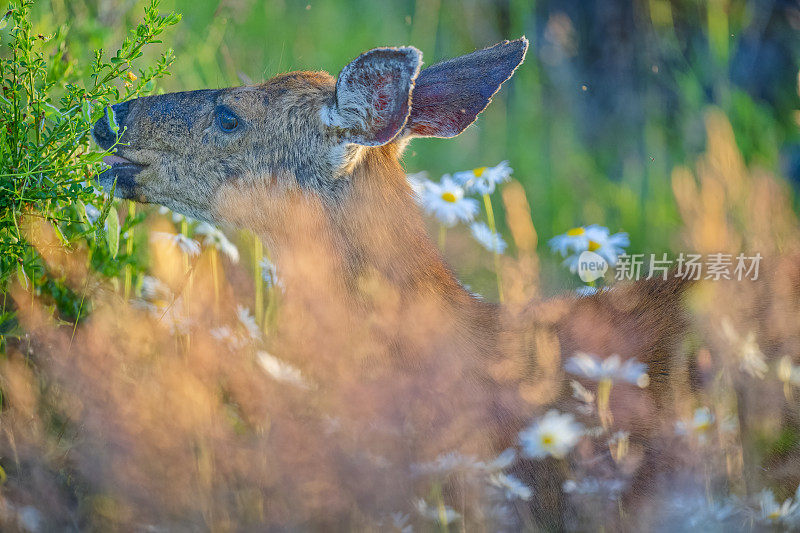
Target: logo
591, 266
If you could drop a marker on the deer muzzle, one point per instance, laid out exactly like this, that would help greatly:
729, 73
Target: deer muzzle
121, 171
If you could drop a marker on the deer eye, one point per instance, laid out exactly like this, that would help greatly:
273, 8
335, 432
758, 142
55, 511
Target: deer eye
227, 119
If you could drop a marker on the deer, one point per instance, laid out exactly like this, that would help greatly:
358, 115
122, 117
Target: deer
311, 164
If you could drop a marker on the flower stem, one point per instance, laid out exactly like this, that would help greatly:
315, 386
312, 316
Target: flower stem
185, 233
258, 253
129, 251
442, 236
215, 278
487, 202
603, 396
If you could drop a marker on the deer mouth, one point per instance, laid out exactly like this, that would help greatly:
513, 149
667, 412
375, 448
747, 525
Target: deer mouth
123, 172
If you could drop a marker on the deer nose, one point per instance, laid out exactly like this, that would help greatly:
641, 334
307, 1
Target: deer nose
102, 132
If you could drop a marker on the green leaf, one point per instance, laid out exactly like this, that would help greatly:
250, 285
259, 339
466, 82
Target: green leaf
112, 233
112, 120
22, 278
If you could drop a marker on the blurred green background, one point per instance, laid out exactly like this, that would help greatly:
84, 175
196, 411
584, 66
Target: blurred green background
609, 101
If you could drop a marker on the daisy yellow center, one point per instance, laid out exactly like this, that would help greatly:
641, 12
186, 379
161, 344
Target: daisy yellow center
548, 439
479, 171
774, 515
574, 232
593, 246
449, 197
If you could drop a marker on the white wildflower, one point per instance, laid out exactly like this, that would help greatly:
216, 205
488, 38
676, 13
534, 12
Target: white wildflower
441, 513
400, 523
511, 486
751, 358
586, 290
445, 200
617, 437
186, 245
447, 463
692, 511
592, 486
248, 322
611, 368
281, 370
555, 434
583, 395
216, 238
269, 272
503, 461
592, 238
222, 333
483, 180
174, 317
699, 425
487, 238
786, 514
154, 289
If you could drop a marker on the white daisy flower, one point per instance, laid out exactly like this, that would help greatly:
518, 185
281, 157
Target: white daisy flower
487, 238
511, 486
281, 370
269, 273
186, 245
447, 463
483, 180
503, 461
248, 322
555, 434
442, 514
701, 423
573, 241
692, 511
445, 200
216, 238
221, 333
611, 368
174, 317
400, 523
751, 358
581, 393
592, 486
586, 290
786, 514
154, 289
592, 238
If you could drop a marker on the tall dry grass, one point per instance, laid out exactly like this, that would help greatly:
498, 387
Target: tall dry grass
177, 411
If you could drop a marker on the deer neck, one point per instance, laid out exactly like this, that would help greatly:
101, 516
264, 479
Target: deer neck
370, 255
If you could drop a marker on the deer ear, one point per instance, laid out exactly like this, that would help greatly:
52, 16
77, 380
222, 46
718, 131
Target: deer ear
448, 97
373, 95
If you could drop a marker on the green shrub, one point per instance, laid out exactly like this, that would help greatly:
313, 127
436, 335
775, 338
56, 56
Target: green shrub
49, 101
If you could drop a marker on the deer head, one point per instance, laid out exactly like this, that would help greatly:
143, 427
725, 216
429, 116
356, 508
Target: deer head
301, 134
